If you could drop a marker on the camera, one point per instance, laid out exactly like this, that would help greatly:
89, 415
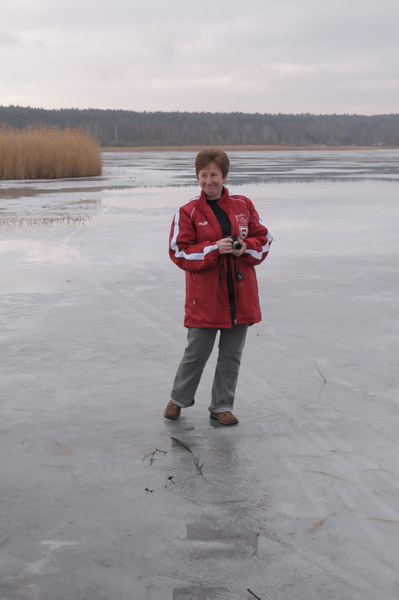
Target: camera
236, 242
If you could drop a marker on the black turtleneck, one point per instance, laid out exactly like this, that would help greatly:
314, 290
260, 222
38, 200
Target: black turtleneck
225, 226
221, 216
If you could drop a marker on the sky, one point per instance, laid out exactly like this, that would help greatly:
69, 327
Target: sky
251, 56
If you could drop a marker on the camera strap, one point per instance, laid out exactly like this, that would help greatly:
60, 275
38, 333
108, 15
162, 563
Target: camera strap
237, 276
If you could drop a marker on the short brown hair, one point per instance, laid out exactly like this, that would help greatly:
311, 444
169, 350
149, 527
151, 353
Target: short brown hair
215, 155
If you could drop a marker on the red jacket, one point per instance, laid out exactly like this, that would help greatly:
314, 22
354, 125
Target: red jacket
192, 246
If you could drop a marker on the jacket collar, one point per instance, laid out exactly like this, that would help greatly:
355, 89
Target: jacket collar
225, 196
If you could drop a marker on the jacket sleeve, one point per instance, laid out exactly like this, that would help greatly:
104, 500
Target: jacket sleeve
185, 250
258, 240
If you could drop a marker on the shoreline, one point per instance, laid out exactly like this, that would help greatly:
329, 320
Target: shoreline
229, 148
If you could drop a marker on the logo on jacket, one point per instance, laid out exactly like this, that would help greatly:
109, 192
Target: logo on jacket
203, 223
242, 222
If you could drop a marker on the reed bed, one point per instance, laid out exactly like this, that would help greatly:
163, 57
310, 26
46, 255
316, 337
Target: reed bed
48, 153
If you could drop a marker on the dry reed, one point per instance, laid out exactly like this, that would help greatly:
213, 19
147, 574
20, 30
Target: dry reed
47, 153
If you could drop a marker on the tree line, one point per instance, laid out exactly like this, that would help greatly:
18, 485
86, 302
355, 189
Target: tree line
122, 128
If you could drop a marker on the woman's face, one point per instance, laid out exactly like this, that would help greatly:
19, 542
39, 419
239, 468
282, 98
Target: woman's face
211, 181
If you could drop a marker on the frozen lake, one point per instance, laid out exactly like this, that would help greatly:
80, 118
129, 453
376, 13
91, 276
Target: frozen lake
300, 501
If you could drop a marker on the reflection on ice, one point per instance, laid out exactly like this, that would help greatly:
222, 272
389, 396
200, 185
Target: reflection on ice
28, 212
28, 192
135, 181
142, 169
44, 221
41, 252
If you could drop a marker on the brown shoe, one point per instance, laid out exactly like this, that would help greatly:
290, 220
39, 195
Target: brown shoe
172, 411
225, 418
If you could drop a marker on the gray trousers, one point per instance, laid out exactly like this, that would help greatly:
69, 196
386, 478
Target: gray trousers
200, 344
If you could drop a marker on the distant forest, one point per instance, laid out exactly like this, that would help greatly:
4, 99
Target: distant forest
122, 128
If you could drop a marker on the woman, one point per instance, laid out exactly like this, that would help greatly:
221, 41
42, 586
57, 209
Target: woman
217, 239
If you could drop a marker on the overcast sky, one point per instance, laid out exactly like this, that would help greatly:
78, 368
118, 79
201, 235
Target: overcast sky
288, 56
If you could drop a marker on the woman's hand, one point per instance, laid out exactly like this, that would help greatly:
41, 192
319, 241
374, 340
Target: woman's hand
225, 246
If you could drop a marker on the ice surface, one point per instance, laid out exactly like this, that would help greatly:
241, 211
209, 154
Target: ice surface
300, 500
